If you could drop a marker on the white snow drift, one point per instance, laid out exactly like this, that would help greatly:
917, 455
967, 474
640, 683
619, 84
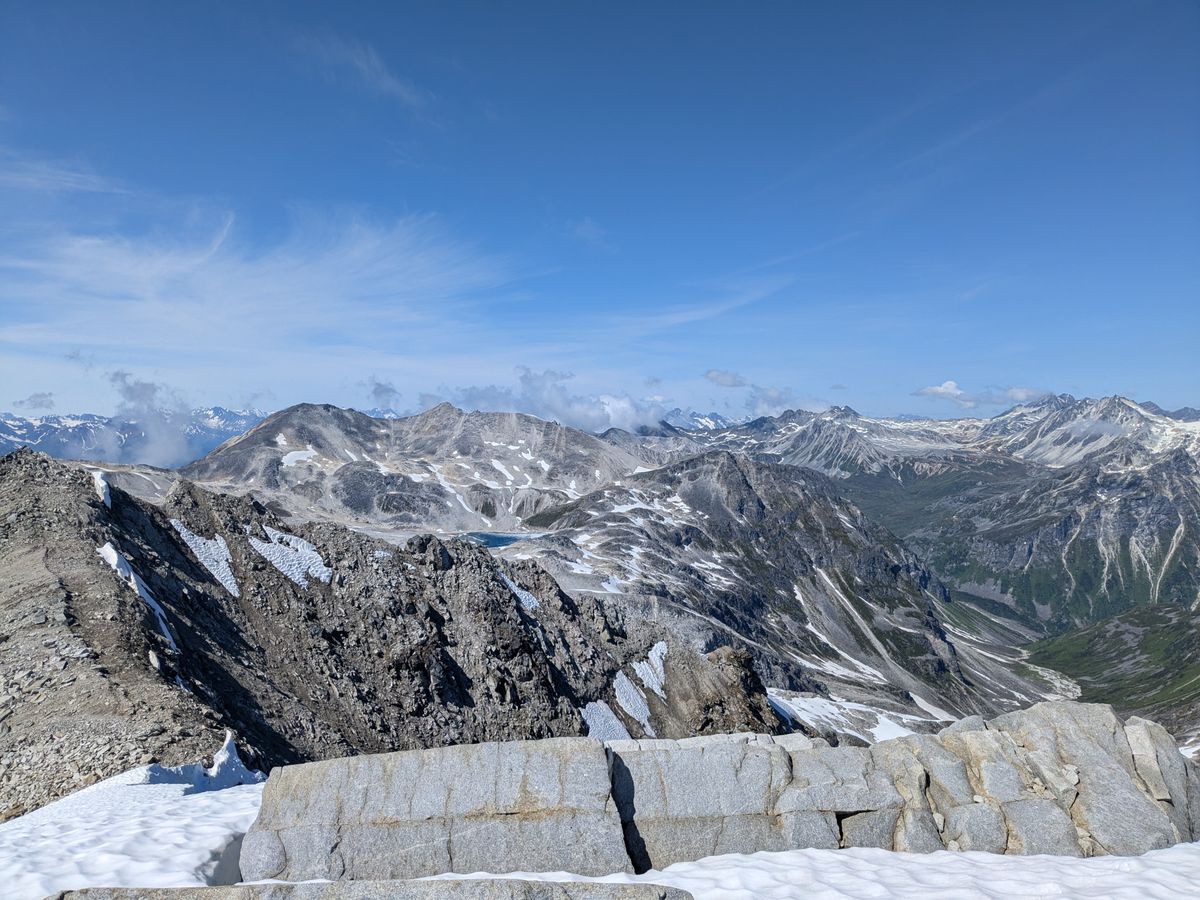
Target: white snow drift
120, 565
945, 875
153, 826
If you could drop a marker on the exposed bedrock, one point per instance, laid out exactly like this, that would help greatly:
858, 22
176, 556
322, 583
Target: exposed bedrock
1058, 778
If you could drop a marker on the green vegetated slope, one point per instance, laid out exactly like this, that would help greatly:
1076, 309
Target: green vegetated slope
1146, 660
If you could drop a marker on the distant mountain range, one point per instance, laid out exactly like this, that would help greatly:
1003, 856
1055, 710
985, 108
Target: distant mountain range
160, 437
1067, 510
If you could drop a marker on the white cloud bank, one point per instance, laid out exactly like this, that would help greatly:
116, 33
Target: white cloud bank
950, 391
547, 395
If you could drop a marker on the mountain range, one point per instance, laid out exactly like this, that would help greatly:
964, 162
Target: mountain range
164, 437
327, 581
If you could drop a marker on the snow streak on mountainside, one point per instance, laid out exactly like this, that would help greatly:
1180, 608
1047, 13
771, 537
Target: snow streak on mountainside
696, 421
769, 557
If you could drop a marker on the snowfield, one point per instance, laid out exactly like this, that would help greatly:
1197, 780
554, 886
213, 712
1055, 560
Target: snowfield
213, 554
887, 875
152, 826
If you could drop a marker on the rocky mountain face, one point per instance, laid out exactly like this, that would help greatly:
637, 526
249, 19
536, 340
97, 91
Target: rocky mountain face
1056, 514
838, 442
451, 471
163, 437
857, 578
1064, 510
442, 470
722, 548
690, 420
1075, 545
130, 632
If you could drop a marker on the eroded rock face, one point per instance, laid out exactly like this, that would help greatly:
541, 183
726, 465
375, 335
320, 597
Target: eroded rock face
1059, 778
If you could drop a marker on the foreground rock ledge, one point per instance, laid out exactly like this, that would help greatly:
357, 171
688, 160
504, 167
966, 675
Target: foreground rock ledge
1068, 779
490, 889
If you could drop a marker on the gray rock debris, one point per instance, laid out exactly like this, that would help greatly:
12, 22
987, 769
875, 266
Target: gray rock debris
1059, 778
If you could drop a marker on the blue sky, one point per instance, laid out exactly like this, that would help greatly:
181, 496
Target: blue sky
597, 211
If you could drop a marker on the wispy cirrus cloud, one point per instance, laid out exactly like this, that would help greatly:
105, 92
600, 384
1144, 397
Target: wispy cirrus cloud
22, 172
401, 288
733, 295
358, 62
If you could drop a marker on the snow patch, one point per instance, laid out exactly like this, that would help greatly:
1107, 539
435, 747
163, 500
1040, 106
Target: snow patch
100, 482
603, 723
650, 670
297, 456
936, 711
842, 716
633, 701
528, 601
120, 565
294, 557
213, 554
